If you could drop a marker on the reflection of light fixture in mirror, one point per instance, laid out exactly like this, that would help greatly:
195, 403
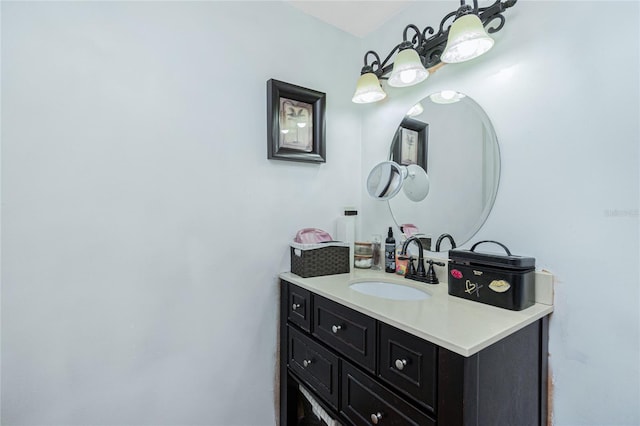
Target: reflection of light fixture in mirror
415, 110
387, 178
446, 97
407, 69
301, 125
419, 54
285, 131
368, 89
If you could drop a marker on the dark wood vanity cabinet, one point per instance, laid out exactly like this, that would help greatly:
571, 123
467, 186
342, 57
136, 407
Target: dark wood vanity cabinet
299, 306
362, 371
409, 364
345, 330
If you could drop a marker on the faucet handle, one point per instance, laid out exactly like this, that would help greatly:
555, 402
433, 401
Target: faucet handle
411, 270
421, 271
432, 278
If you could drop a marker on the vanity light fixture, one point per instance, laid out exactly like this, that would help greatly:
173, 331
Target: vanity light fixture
461, 41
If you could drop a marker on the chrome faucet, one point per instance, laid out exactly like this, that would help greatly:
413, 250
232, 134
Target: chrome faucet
412, 273
442, 237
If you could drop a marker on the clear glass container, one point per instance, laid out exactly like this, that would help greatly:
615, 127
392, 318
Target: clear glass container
376, 252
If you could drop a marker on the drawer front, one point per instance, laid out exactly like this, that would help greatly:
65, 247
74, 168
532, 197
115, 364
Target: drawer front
315, 364
349, 332
365, 402
408, 363
299, 306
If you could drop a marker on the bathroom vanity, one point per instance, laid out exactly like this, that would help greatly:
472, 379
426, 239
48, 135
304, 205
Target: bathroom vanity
439, 360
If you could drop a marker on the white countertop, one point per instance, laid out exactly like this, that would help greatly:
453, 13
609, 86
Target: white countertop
462, 326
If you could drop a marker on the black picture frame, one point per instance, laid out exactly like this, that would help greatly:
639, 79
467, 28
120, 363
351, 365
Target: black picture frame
411, 128
299, 103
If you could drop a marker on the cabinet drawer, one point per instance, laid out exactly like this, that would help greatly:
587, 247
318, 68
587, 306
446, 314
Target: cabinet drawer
349, 332
299, 306
365, 402
408, 363
315, 364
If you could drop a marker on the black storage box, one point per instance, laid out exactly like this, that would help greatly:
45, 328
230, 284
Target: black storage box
506, 281
314, 260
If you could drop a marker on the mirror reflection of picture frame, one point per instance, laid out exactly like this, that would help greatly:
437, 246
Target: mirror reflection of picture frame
410, 143
295, 123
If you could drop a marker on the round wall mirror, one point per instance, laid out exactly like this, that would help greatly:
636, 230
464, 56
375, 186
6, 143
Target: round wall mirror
451, 137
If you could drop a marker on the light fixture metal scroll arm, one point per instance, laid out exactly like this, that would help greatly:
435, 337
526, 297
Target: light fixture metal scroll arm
465, 8
374, 67
382, 68
417, 38
493, 12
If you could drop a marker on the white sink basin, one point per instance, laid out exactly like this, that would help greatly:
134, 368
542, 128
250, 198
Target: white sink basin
388, 290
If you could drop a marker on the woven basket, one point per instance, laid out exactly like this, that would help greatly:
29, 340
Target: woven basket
315, 262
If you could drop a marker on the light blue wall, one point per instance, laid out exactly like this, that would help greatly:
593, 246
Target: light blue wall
143, 227
561, 87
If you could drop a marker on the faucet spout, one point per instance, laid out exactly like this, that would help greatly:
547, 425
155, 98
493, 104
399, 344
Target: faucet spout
442, 237
420, 272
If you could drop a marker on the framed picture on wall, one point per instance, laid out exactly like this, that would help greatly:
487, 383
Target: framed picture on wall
295, 123
410, 143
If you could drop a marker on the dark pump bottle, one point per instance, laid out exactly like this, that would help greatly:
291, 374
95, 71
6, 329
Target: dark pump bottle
390, 253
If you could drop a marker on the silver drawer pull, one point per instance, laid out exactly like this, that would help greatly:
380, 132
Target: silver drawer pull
295, 306
306, 362
400, 363
336, 328
375, 418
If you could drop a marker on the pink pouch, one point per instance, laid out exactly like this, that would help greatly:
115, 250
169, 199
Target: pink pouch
409, 229
312, 236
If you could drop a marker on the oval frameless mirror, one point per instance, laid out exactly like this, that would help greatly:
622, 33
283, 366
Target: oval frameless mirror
450, 137
387, 178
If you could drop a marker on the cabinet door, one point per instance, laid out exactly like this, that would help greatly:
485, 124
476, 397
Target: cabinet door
349, 332
408, 363
314, 364
299, 306
365, 402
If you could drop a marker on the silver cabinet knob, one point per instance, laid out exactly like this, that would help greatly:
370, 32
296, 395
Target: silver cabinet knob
375, 418
400, 363
306, 362
295, 306
336, 328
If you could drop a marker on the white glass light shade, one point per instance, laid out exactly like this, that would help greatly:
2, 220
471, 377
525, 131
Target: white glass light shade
467, 40
368, 89
407, 69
